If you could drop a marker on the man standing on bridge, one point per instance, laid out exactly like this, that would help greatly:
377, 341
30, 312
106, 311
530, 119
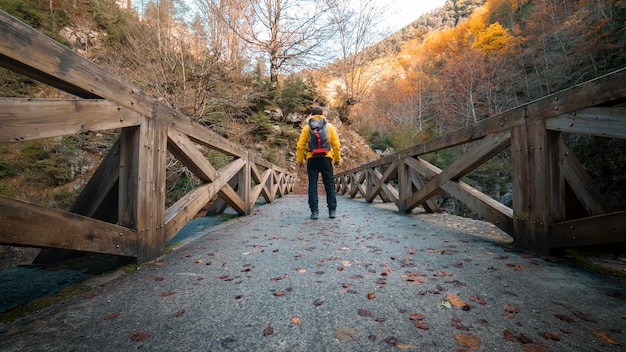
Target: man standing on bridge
319, 145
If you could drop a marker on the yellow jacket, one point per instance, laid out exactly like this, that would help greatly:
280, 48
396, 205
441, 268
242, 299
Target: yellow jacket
335, 147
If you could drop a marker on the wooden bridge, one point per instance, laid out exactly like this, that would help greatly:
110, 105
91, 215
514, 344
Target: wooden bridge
122, 210
555, 203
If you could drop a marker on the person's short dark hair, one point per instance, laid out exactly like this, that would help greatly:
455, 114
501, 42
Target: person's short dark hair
317, 110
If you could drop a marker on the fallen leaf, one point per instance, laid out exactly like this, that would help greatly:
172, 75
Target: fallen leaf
420, 324
139, 336
279, 293
606, 337
168, 293
584, 317
391, 340
456, 322
455, 301
509, 335
295, 320
534, 347
478, 300
179, 313
372, 338
550, 336
443, 273
469, 341
268, 330
364, 312
318, 302
238, 297
510, 308
405, 345
565, 318
198, 261
371, 295
112, 316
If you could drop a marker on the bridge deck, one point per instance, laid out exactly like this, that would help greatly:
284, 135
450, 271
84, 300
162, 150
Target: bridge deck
354, 283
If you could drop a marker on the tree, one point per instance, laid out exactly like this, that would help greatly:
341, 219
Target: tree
289, 32
355, 24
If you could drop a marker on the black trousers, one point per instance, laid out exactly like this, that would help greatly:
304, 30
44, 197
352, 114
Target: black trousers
324, 166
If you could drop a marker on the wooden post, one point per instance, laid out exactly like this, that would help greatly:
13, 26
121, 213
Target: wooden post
244, 179
538, 185
404, 185
142, 185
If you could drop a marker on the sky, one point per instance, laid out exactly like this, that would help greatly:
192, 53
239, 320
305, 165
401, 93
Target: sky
402, 12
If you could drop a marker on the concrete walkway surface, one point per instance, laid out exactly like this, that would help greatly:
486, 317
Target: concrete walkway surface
370, 280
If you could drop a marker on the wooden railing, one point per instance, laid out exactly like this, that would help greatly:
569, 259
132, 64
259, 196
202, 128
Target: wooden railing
551, 188
122, 210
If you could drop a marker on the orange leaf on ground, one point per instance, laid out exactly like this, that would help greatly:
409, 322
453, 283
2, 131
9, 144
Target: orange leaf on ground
179, 313
510, 308
112, 316
469, 341
295, 320
279, 293
455, 301
550, 336
405, 345
371, 295
168, 293
534, 347
139, 336
606, 337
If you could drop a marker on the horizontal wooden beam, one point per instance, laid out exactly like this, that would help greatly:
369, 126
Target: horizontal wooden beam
595, 230
26, 119
59, 229
598, 121
27, 51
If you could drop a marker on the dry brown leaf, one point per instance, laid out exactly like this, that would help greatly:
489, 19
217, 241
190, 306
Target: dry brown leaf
179, 313
565, 318
405, 345
139, 336
469, 341
112, 316
550, 336
606, 337
416, 316
296, 320
478, 300
168, 293
510, 308
279, 293
534, 347
455, 301
420, 324
371, 295
268, 330
585, 317
364, 312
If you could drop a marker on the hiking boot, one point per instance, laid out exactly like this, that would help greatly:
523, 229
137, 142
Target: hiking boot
331, 213
315, 215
